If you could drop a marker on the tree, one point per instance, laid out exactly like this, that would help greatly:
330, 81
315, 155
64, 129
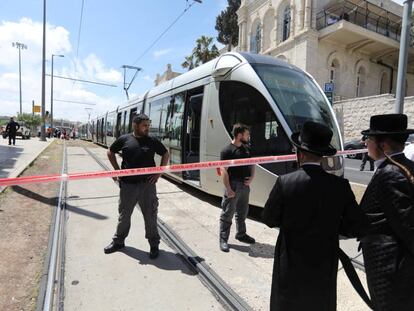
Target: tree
189, 62
203, 52
227, 25
29, 119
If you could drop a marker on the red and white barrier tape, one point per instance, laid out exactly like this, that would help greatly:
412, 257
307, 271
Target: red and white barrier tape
157, 169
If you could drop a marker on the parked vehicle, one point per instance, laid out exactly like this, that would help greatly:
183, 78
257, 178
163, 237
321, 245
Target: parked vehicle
354, 144
24, 132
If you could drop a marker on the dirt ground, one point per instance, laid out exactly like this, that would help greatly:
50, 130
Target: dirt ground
25, 217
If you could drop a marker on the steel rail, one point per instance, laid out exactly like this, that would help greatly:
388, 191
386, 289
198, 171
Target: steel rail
209, 278
47, 290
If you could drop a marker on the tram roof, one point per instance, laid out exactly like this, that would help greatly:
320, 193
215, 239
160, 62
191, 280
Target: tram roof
206, 70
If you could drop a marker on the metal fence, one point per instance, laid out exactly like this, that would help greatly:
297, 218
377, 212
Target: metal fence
368, 16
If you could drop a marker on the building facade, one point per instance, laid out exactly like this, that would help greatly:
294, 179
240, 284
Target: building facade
166, 76
351, 43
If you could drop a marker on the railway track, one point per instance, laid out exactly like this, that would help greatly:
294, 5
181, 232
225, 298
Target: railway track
51, 291
219, 288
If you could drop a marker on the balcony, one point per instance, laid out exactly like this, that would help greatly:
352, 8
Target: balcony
363, 27
363, 14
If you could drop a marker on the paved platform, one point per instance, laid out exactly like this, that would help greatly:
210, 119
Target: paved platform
15, 159
191, 214
126, 280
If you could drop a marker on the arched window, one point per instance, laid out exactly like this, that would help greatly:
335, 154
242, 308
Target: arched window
256, 38
286, 23
384, 86
268, 25
334, 74
360, 83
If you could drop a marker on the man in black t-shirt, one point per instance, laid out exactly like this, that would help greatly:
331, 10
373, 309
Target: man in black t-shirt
138, 150
237, 188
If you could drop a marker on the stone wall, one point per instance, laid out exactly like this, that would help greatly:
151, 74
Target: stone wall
353, 115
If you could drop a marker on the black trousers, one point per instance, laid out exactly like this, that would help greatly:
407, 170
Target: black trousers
365, 158
12, 137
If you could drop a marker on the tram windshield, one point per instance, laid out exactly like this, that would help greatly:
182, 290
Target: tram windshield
297, 97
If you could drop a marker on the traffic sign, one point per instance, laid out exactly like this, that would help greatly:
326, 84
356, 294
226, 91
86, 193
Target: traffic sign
36, 109
329, 87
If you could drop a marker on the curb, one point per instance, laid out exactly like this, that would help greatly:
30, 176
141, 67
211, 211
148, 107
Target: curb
23, 167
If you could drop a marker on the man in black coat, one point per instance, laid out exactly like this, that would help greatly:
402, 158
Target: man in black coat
311, 208
11, 129
388, 248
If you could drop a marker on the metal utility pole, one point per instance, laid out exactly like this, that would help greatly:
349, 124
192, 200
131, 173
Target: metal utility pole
42, 128
20, 46
128, 85
403, 57
51, 92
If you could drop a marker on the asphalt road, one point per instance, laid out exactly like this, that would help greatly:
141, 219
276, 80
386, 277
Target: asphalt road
353, 174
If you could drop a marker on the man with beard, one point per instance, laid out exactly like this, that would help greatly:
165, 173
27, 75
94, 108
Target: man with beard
138, 149
388, 202
237, 182
311, 207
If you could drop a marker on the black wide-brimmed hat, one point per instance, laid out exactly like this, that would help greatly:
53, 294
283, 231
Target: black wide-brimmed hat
314, 138
388, 124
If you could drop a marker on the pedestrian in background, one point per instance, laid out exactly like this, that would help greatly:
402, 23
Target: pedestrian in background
237, 182
311, 207
388, 202
12, 128
366, 157
138, 150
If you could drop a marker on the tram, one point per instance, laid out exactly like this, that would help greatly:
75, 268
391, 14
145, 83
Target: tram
193, 115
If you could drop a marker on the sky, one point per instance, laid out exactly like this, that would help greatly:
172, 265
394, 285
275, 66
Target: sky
112, 34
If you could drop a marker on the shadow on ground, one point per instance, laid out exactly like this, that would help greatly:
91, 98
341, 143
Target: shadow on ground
166, 260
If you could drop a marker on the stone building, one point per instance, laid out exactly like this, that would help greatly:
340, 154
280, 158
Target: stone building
351, 43
167, 75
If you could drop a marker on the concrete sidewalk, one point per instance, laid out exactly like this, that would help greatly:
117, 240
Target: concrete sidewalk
194, 216
125, 280
15, 159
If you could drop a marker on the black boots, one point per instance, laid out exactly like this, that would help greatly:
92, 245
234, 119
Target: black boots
113, 247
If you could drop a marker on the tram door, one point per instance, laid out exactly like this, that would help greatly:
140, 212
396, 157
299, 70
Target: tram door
191, 131
102, 131
118, 125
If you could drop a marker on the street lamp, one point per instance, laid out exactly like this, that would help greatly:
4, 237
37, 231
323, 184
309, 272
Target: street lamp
20, 46
42, 127
51, 91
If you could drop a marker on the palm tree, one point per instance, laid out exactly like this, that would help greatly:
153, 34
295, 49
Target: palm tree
189, 62
202, 53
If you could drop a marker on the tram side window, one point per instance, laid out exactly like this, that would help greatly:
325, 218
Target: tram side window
155, 111
240, 102
132, 114
176, 120
110, 124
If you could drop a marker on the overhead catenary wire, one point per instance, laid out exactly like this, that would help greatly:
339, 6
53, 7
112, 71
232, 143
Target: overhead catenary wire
79, 35
74, 102
188, 7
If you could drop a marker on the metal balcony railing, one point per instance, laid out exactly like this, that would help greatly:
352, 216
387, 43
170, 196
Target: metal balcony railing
363, 14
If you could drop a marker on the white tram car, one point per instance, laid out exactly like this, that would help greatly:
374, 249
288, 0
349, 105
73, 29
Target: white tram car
193, 115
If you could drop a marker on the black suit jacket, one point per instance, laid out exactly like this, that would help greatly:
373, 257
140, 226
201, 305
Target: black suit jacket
388, 248
311, 208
